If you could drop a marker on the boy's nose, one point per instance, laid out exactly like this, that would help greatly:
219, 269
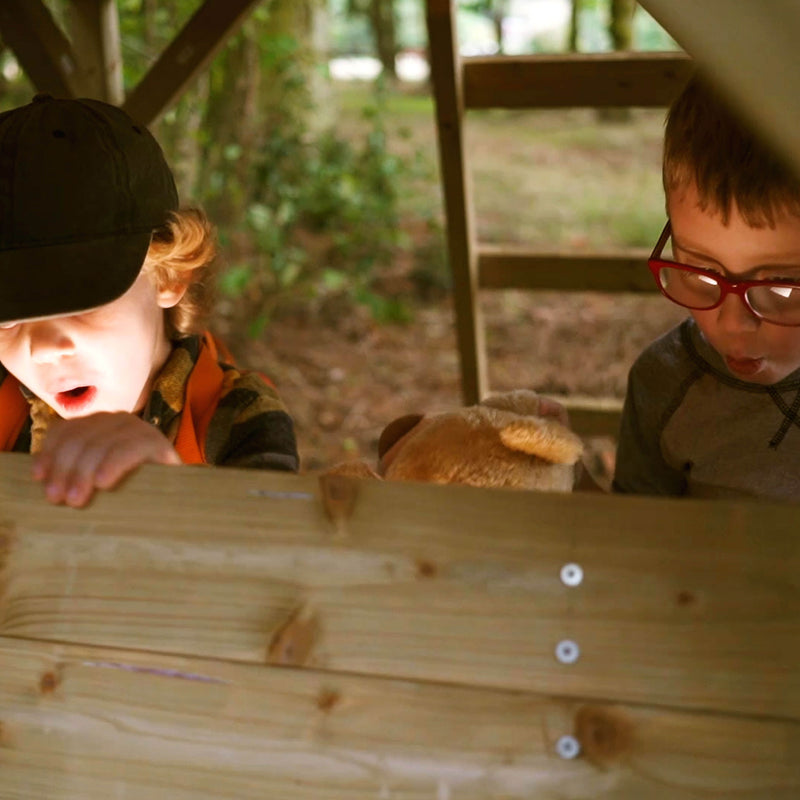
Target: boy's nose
48, 342
733, 315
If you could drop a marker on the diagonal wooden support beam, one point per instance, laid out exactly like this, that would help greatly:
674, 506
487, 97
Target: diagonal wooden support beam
749, 50
44, 53
94, 30
191, 50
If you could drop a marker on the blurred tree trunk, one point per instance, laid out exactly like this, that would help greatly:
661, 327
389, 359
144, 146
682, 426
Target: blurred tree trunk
382, 22
149, 22
572, 39
382, 25
621, 24
176, 131
620, 29
498, 10
263, 87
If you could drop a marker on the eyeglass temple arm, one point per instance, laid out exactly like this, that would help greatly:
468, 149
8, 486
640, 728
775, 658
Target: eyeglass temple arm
662, 240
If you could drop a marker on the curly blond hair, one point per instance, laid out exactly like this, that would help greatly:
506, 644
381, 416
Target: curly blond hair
705, 143
182, 253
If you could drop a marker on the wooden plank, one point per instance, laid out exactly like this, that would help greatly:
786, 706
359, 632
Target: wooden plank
80, 723
597, 80
684, 603
94, 29
43, 52
459, 212
199, 41
515, 268
749, 50
593, 416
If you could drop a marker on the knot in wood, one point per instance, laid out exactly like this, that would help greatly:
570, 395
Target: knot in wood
605, 734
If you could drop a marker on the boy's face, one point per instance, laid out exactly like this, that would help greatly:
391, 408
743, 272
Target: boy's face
753, 350
100, 360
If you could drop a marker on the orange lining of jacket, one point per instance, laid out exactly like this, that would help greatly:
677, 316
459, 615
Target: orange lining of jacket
203, 390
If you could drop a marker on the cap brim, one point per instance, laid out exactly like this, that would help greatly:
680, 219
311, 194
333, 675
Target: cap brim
67, 278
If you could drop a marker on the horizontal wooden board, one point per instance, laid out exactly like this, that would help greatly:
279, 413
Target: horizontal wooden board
684, 603
80, 723
595, 80
514, 268
593, 416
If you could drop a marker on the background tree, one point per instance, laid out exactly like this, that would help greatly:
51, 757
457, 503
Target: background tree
620, 30
495, 10
620, 25
572, 35
383, 24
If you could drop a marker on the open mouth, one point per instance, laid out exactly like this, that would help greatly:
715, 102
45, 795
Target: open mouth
744, 366
73, 400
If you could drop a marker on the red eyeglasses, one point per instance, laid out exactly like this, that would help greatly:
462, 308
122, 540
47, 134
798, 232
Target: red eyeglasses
773, 301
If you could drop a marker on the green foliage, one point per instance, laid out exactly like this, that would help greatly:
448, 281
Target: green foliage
336, 197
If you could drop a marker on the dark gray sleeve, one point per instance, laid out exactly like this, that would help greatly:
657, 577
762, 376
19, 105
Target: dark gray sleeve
656, 383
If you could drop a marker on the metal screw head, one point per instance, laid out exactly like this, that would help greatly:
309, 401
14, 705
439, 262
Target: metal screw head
568, 747
571, 574
567, 651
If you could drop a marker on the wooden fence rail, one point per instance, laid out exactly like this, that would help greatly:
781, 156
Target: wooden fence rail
221, 633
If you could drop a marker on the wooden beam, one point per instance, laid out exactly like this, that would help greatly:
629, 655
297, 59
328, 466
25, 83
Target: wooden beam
43, 52
515, 268
563, 81
684, 603
446, 80
205, 33
593, 416
749, 50
87, 723
94, 30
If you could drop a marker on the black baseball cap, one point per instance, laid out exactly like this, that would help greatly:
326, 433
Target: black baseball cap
82, 187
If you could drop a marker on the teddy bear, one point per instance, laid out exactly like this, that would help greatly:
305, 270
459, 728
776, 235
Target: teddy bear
515, 440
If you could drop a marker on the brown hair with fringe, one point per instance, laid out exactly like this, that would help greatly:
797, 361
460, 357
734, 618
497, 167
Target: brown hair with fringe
182, 253
706, 144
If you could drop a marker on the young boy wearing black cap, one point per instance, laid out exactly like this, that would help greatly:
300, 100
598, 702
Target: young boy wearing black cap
104, 364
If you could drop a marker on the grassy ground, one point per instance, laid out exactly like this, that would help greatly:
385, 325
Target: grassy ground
559, 179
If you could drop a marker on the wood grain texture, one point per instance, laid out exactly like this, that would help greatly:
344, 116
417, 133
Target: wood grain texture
516, 268
691, 604
597, 80
446, 81
81, 723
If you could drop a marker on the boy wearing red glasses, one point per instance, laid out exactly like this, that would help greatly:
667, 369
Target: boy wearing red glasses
712, 408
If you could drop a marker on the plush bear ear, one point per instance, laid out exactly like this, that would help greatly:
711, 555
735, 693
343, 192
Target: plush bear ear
544, 438
395, 431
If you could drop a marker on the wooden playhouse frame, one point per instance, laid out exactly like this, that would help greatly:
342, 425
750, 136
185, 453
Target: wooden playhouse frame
209, 634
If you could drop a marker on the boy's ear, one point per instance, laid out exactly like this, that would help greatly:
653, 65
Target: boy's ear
169, 296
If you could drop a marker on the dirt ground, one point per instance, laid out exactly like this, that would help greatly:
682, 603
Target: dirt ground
344, 377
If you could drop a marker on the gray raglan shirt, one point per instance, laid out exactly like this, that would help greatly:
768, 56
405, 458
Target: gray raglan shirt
690, 428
